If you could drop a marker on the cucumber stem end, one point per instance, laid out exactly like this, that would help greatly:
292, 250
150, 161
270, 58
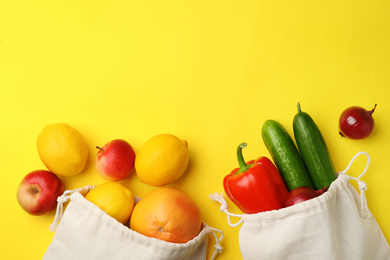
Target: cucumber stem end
299, 108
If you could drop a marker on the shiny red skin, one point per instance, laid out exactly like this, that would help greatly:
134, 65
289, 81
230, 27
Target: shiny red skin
38, 192
356, 122
260, 188
302, 194
115, 160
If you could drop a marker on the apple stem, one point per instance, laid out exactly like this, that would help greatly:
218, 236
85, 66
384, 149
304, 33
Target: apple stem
97, 147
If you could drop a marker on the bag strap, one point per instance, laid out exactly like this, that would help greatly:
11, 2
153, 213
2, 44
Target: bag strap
224, 208
61, 200
364, 211
217, 247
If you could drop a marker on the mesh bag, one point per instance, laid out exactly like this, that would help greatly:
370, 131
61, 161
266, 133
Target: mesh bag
336, 225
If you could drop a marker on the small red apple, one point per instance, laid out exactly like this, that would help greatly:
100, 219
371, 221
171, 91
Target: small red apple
38, 192
115, 160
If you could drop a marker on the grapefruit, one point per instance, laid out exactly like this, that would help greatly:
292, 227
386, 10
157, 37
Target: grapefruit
167, 214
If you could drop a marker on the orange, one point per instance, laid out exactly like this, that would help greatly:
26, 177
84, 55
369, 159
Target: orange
167, 214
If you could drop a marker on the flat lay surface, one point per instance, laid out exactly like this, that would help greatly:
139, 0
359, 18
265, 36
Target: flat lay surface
208, 72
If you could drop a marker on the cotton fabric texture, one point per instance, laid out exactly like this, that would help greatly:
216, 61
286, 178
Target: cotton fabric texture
86, 232
336, 225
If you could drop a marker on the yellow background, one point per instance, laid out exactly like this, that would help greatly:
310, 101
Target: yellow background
209, 72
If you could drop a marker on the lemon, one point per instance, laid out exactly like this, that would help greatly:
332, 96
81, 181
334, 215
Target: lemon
62, 149
162, 160
114, 199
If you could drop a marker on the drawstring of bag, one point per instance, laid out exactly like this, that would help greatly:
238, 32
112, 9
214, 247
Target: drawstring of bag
364, 212
61, 200
224, 208
217, 246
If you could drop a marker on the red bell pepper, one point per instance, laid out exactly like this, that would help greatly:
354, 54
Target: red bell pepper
256, 186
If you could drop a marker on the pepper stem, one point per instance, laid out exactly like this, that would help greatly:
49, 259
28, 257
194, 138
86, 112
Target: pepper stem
241, 162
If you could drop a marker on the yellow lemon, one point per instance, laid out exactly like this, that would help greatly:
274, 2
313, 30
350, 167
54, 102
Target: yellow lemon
162, 160
114, 199
62, 149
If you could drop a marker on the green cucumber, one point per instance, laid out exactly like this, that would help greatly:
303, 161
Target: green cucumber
285, 155
313, 150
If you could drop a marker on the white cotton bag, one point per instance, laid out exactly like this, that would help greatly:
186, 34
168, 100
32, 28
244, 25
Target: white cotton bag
335, 225
86, 232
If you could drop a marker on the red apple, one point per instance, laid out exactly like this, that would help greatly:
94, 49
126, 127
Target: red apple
115, 160
38, 192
